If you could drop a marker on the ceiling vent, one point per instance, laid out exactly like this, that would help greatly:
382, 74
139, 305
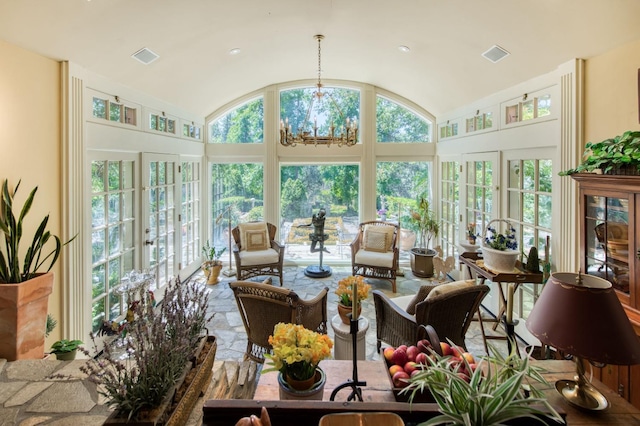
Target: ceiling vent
145, 56
495, 53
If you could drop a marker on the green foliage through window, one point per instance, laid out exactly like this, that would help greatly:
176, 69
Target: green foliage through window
395, 123
244, 124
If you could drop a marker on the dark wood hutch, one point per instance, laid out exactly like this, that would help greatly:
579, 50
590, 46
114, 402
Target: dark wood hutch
609, 244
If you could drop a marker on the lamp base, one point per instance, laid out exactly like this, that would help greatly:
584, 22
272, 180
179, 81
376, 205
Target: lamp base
584, 396
229, 273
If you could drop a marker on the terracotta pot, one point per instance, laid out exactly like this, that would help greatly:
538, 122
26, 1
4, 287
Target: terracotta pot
343, 310
315, 392
23, 316
212, 272
407, 239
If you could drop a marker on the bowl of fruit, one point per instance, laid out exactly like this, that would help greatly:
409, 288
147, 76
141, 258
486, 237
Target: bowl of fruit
404, 361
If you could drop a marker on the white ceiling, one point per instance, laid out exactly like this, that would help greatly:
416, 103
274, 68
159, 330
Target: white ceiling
443, 71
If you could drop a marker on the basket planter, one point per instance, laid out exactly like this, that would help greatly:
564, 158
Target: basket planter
499, 260
177, 408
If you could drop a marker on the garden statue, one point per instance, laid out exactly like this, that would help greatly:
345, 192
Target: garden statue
318, 236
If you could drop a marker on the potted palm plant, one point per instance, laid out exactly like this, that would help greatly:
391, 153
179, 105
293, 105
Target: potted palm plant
422, 257
212, 264
24, 290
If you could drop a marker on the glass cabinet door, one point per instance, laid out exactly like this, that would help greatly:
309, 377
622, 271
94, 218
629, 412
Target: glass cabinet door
607, 239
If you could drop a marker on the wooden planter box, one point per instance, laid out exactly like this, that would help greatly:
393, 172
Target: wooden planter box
177, 408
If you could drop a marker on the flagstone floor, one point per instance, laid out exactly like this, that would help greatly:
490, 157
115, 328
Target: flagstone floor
29, 396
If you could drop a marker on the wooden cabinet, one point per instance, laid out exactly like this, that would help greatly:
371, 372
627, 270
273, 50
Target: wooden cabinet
609, 243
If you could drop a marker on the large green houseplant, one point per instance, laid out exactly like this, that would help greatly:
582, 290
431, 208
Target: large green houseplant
426, 222
24, 286
618, 155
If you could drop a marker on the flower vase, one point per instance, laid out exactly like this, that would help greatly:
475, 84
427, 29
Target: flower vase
383, 217
503, 261
314, 387
343, 310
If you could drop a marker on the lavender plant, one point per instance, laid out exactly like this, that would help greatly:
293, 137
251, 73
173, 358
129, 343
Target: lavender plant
160, 343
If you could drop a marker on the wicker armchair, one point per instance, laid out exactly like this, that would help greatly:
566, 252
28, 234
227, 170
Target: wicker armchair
262, 306
450, 314
255, 263
376, 262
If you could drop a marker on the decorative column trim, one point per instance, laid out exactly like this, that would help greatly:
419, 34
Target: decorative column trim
567, 239
74, 305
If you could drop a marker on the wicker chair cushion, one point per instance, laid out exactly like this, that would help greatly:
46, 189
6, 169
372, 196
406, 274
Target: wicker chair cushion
422, 294
251, 237
366, 257
372, 236
259, 257
448, 287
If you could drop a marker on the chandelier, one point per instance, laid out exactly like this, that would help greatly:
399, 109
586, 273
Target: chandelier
345, 133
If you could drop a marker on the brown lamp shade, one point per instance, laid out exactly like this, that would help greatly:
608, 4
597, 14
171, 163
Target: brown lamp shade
585, 320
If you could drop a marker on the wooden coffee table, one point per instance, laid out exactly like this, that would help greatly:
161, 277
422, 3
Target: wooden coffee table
378, 388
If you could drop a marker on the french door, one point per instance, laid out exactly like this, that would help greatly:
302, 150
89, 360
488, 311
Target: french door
160, 214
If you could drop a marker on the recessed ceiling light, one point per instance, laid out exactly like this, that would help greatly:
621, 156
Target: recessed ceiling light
404, 49
234, 51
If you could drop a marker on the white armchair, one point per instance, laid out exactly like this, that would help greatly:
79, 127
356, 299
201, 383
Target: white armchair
374, 251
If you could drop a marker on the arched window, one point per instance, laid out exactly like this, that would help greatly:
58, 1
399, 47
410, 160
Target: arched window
243, 124
396, 123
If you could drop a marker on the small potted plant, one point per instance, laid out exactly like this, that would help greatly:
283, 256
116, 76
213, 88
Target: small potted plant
422, 257
345, 295
297, 352
500, 250
471, 233
495, 391
212, 264
65, 350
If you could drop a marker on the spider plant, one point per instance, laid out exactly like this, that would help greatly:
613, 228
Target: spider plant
502, 389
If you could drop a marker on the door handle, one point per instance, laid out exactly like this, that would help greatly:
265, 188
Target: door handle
148, 242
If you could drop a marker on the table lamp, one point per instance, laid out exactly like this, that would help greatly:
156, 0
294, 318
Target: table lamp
582, 316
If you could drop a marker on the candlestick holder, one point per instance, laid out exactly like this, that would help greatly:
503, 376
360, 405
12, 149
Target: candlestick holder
510, 328
353, 383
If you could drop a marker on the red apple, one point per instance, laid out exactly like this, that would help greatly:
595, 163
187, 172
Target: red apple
399, 357
469, 357
412, 351
473, 367
456, 351
400, 379
421, 358
464, 377
388, 352
394, 369
410, 367
403, 347
424, 345
414, 372
446, 349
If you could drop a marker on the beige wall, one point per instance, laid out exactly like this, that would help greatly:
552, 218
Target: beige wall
611, 91
30, 142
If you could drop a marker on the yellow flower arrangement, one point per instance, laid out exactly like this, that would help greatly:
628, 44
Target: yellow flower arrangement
345, 289
297, 351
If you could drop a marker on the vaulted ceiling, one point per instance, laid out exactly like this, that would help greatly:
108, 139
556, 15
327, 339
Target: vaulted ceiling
443, 70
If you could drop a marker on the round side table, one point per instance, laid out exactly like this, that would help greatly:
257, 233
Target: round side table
343, 348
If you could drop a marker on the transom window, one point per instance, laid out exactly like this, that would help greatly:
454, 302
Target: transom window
396, 123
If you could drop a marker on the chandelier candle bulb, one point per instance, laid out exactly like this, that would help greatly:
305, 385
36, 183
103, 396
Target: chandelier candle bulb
354, 302
509, 306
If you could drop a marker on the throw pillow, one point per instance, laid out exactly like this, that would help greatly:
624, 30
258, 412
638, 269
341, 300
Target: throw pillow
448, 287
252, 226
256, 240
375, 241
422, 294
387, 231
